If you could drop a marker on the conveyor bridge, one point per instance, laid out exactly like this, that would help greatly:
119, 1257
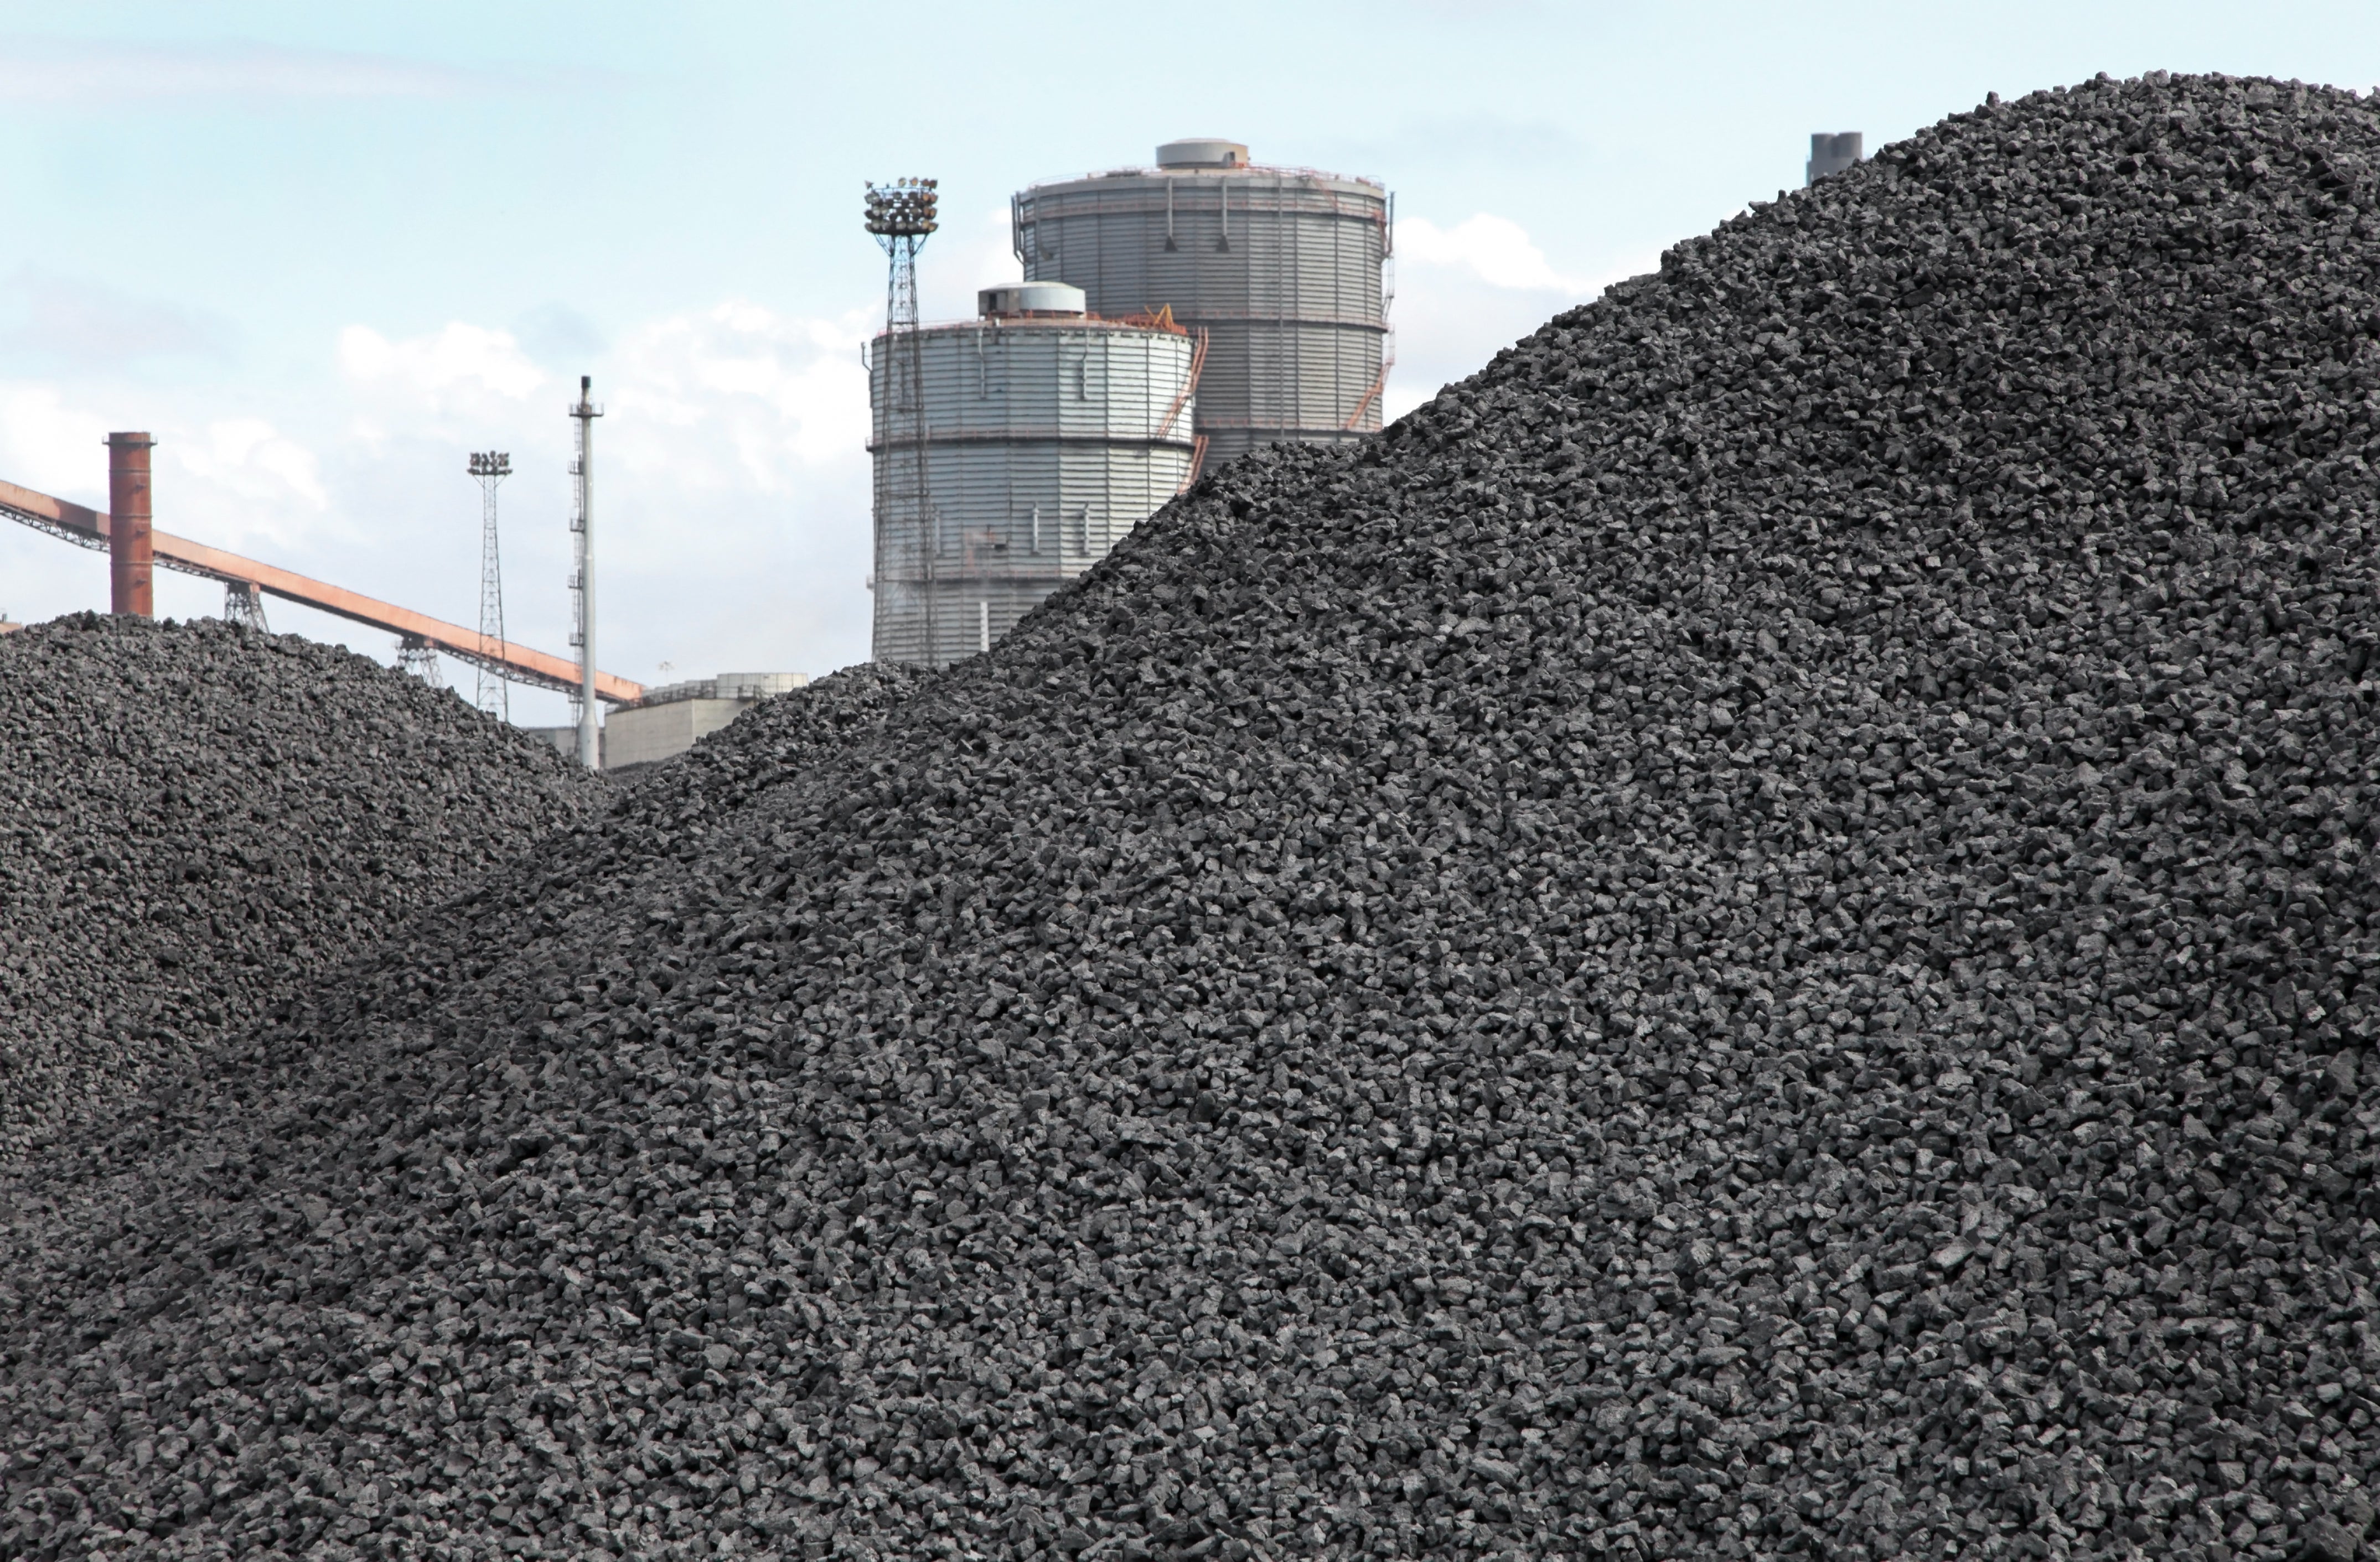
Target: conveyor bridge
87, 527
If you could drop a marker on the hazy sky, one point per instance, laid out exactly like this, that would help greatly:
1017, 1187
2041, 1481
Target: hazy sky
324, 251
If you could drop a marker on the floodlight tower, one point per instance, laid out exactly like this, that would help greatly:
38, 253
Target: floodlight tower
901, 216
586, 713
491, 467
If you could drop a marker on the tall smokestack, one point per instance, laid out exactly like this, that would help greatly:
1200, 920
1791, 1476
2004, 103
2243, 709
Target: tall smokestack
130, 561
582, 522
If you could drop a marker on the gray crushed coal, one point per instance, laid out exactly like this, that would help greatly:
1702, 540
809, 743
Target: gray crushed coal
1753, 935
196, 819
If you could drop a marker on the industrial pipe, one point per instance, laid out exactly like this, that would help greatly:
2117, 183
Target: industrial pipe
590, 714
130, 561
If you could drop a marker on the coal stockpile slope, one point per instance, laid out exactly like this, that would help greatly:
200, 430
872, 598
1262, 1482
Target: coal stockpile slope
1750, 935
195, 819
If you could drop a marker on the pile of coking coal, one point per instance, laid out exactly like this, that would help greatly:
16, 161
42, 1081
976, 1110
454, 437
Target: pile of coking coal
1752, 935
197, 820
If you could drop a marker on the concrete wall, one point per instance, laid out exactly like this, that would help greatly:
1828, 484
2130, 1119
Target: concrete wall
564, 740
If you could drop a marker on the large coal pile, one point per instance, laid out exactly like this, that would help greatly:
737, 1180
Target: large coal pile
196, 819
1751, 936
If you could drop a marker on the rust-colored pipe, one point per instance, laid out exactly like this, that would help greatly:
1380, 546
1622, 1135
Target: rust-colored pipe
130, 561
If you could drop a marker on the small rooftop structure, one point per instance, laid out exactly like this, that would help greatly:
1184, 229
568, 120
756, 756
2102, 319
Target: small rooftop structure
1202, 151
1014, 298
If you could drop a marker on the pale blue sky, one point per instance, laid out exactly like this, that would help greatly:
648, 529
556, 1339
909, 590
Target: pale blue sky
322, 251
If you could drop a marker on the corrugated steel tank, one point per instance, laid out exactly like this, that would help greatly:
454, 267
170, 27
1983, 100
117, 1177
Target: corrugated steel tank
1281, 266
1048, 434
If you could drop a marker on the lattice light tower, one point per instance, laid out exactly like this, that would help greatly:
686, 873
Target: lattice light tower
901, 216
491, 467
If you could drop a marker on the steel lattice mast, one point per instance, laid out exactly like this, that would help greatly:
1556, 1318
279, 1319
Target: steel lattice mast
491, 467
902, 215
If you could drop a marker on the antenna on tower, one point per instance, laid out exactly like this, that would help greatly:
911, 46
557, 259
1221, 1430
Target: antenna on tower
491, 467
584, 712
901, 216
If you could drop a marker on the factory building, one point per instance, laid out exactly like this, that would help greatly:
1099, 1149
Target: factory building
673, 718
670, 719
1282, 268
1011, 452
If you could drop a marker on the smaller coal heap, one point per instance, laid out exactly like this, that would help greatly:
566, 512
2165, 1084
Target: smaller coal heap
197, 820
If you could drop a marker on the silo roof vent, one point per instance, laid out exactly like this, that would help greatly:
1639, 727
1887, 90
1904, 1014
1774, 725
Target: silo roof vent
1030, 298
1202, 151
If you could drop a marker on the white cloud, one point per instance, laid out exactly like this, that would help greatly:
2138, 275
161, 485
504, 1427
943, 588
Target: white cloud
252, 483
51, 447
1497, 250
731, 480
460, 369
76, 73
1466, 292
980, 254
237, 482
741, 396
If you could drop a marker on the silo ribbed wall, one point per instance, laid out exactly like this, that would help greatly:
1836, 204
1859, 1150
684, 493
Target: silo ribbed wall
1045, 442
1282, 269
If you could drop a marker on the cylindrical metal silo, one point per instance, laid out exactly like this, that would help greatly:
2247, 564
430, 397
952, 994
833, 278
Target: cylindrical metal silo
1046, 435
1281, 266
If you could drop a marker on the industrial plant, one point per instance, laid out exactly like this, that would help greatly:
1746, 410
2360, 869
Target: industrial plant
1169, 319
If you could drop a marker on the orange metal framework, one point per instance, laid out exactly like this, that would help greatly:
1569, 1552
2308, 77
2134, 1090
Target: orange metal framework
1189, 386
88, 528
1197, 461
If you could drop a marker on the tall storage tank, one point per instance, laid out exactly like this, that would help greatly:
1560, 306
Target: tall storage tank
1047, 435
1281, 266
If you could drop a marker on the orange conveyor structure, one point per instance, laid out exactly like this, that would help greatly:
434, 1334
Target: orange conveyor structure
88, 528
